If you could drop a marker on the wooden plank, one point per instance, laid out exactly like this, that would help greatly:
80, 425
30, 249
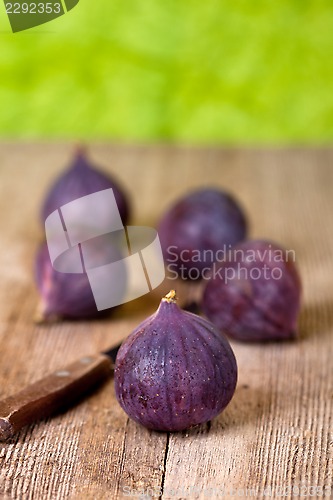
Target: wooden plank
277, 431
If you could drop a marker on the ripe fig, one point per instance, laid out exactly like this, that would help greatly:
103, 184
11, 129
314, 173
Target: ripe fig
255, 294
69, 295
176, 370
196, 228
82, 179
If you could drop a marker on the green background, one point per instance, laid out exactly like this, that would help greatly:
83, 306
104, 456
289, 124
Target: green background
214, 72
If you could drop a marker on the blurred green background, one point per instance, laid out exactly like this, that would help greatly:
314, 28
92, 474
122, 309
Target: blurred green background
212, 72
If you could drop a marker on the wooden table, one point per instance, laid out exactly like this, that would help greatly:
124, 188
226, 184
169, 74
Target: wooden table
277, 431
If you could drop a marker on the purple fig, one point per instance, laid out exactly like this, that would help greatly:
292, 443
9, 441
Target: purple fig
82, 179
255, 294
175, 371
195, 229
69, 295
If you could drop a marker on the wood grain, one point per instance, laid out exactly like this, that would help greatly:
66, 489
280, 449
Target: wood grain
277, 431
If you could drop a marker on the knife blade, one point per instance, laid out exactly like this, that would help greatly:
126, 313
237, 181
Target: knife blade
55, 392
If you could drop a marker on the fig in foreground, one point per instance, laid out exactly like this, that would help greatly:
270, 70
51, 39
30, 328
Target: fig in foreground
175, 371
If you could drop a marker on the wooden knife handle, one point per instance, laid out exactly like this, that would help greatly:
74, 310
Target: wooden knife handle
52, 393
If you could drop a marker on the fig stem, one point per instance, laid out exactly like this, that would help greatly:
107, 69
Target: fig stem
80, 150
170, 297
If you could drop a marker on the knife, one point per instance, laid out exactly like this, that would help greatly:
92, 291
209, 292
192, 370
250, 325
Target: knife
55, 392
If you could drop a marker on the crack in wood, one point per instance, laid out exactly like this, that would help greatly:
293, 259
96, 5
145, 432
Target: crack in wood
164, 465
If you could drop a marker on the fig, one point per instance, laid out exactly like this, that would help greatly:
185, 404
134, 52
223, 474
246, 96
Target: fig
175, 371
69, 295
197, 229
82, 179
255, 294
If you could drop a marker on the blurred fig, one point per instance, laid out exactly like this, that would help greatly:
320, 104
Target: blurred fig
69, 295
255, 294
197, 228
82, 179
176, 370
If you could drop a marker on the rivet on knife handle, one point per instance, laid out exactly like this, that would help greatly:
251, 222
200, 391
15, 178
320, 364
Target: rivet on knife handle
52, 393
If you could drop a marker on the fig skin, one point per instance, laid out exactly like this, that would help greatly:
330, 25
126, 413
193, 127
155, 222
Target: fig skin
67, 295
206, 219
255, 310
175, 371
63, 295
82, 179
